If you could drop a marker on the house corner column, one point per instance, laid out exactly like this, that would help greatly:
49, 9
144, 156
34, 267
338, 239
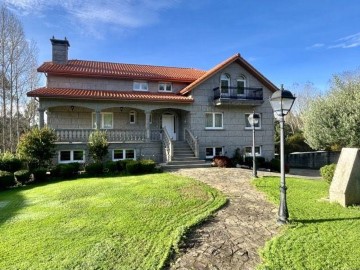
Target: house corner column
41, 117
147, 125
97, 117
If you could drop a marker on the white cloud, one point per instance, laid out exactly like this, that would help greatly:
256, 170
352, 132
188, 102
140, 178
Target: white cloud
316, 46
94, 14
350, 41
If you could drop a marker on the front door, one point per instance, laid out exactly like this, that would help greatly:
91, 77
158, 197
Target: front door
168, 122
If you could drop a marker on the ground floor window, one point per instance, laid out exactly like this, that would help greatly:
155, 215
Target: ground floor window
120, 154
213, 151
67, 156
248, 151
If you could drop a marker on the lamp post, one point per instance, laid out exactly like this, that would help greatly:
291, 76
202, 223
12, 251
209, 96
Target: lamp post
281, 102
253, 120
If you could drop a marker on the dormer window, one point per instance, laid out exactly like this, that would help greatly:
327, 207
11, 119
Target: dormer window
140, 86
165, 87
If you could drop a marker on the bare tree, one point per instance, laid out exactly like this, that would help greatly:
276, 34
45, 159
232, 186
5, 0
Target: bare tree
18, 75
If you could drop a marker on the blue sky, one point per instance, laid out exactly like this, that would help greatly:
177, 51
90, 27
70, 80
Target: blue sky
288, 41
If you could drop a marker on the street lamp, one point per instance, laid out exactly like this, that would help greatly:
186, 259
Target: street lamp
253, 120
281, 102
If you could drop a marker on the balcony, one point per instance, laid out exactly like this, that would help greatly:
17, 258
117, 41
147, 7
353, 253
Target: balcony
113, 135
248, 96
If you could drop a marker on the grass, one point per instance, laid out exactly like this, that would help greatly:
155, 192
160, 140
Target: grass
321, 235
110, 223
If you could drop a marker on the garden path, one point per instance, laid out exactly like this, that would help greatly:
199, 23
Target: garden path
232, 237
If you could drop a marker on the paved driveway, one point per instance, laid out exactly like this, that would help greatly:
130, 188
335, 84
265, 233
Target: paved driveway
231, 239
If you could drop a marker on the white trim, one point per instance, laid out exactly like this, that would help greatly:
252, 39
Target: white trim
140, 86
213, 151
257, 154
71, 156
213, 120
165, 84
132, 113
225, 77
247, 121
93, 119
241, 78
123, 153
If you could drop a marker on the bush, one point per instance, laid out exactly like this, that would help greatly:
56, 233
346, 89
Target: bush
222, 161
40, 175
147, 166
327, 172
275, 166
22, 176
98, 145
260, 162
133, 167
94, 169
6, 179
237, 157
9, 163
111, 166
66, 170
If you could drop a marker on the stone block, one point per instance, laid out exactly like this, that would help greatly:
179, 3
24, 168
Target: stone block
345, 186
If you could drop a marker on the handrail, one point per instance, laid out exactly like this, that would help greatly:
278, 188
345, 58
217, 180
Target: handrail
168, 146
248, 93
192, 141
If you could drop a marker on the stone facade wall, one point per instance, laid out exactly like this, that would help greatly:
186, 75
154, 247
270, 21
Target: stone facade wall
312, 160
234, 134
104, 84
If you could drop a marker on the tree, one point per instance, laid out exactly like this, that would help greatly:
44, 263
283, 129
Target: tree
98, 145
332, 121
37, 147
18, 62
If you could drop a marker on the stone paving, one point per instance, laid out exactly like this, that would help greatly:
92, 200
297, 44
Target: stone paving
230, 239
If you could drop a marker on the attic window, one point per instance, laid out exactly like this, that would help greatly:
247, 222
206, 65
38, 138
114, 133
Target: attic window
165, 87
140, 86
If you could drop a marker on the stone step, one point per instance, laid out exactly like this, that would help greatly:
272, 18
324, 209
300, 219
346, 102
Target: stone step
186, 161
171, 167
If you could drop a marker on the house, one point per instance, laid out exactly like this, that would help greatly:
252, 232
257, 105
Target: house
154, 111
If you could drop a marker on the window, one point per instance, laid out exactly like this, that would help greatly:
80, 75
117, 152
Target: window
120, 154
106, 120
213, 151
240, 85
248, 126
165, 87
214, 120
248, 151
132, 117
68, 156
140, 86
224, 84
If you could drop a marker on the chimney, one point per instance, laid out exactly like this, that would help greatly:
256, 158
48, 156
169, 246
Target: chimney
59, 50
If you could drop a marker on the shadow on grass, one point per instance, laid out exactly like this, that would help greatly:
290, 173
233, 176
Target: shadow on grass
311, 221
11, 201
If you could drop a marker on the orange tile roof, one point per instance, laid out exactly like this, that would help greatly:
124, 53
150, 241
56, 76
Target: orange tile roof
121, 71
235, 58
69, 93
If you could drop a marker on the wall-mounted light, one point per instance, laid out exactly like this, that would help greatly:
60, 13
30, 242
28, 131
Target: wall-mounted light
72, 107
121, 109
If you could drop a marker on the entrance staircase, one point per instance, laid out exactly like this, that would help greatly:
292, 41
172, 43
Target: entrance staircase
184, 158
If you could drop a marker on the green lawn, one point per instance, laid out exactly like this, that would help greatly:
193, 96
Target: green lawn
321, 235
111, 223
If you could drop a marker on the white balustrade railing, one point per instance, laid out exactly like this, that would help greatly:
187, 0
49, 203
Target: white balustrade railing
192, 142
113, 135
168, 146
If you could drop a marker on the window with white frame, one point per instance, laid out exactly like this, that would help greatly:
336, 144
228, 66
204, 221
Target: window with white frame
248, 126
68, 156
121, 154
140, 86
165, 87
213, 151
132, 117
214, 120
240, 85
106, 120
225, 84
248, 151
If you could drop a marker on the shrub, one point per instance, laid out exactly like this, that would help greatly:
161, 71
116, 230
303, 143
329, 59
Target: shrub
275, 166
37, 146
40, 175
222, 161
66, 170
327, 172
22, 176
147, 166
260, 162
9, 163
133, 167
94, 169
111, 166
6, 179
237, 157
98, 145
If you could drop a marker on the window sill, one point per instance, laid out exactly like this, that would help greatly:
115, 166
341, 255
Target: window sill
214, 128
